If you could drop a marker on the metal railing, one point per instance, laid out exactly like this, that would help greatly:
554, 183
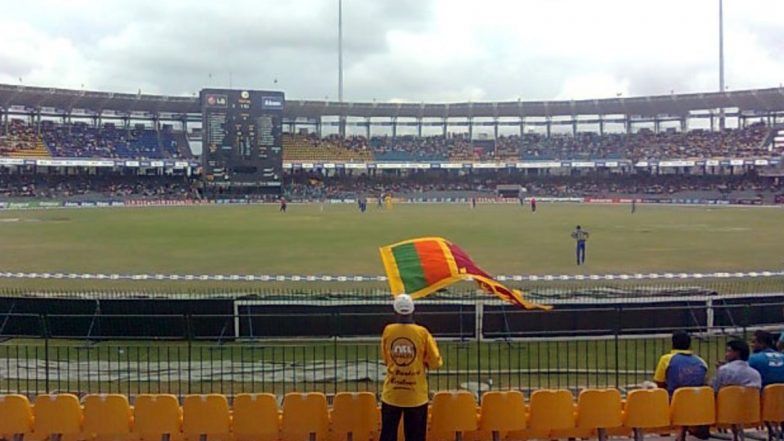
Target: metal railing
603, 348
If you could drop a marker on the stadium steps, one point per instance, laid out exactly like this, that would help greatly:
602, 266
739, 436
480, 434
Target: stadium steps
183, 146
28, 149
300, 148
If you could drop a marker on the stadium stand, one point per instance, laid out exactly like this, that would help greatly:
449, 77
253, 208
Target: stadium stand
439, 184
311, 148
81, 140
87, 187
549, 414
409, 148
21, 141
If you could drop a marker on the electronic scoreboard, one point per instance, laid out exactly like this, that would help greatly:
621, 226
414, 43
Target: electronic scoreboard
242, 147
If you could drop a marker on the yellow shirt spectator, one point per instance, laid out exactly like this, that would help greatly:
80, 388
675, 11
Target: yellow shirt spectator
409, 350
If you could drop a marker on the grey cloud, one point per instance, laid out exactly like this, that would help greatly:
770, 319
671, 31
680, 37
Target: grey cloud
172, 46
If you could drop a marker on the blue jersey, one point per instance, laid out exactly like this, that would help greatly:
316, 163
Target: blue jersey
770, 365
680, 369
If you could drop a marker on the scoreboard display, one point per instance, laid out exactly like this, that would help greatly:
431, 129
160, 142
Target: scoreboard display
242, 144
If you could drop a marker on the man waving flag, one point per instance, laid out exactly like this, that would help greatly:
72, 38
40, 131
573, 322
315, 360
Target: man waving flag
422, 266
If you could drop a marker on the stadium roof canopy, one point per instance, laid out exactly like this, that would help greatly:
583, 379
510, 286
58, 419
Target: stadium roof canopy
756, 100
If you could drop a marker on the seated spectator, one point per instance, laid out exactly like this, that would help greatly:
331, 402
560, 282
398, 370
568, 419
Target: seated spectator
736, 370
680, 367
765, 359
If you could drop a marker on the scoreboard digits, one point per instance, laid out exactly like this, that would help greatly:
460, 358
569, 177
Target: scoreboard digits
242, 143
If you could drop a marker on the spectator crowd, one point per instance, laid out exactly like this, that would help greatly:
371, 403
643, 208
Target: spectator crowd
755, 366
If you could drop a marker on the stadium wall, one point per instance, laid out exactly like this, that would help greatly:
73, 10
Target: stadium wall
231, 319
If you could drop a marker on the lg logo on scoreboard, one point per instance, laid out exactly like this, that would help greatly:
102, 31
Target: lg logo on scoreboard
271, 102
217, 100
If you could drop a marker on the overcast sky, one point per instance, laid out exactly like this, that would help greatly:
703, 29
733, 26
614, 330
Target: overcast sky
406, 50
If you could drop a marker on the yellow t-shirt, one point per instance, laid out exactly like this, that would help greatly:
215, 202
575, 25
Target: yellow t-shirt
409, 350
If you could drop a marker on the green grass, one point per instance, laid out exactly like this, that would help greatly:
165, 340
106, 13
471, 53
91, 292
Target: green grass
339, 240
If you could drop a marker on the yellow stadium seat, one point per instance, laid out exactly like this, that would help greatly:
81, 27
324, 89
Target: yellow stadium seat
56, 417
206, 418
106, 417
17, 417
305, 417
773, 403
773, 409
502, 412
157, 417
738, 406
550, 412
453, 413
599, 409
646, 409
255, 418
355, 416
692, 406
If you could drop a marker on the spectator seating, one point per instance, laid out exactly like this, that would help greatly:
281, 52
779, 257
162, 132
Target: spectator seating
309, 148
22, 142
550, 414
737, 407
156, 416
106, 417
503, 412
647, 409
772, 404
56, 417
453, 414
356, 414
17, 416
409, 148
255, 418
305, 416
81, 140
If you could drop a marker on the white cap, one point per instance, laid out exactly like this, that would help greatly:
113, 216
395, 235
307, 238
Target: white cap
403, 304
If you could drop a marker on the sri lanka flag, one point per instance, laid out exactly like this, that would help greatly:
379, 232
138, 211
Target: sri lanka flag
421, 266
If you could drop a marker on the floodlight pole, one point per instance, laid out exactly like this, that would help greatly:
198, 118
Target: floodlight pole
340, 51
342, 122
721, 59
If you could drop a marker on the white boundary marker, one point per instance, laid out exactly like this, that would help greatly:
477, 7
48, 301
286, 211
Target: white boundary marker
364, 278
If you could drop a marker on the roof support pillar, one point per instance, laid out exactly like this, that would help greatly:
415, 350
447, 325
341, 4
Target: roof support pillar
394, 127
548, 125
495, 128
574, 125
684, 123
419, 126
445, 126
601, 125
470, 128
627, 122
342, 126
522, 126
369, 122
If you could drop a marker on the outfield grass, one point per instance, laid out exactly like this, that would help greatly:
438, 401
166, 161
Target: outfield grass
260, 240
